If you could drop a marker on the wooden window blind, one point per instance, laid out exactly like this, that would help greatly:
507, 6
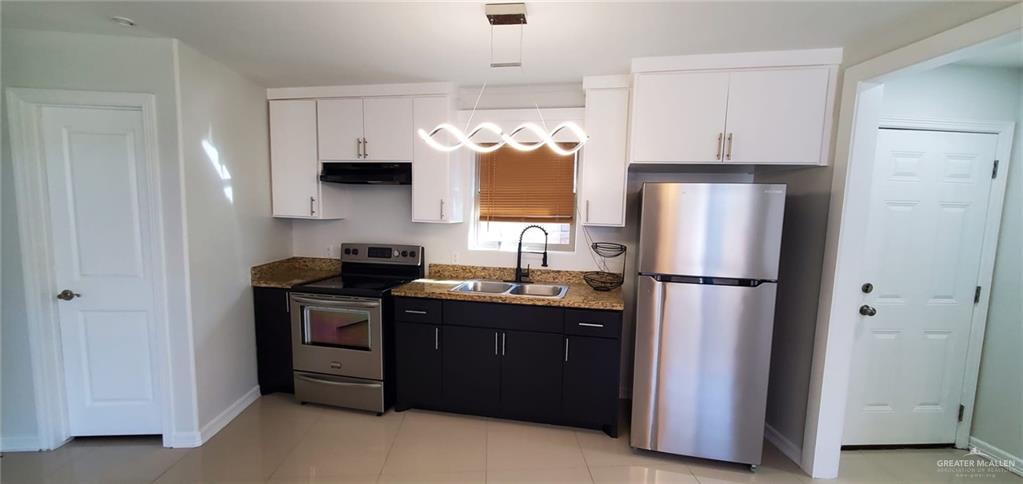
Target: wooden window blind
535, 186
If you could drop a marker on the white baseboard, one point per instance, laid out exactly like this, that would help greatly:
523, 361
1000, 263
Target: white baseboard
220, 421
183, 440
786, 446
20, 443
1000, 454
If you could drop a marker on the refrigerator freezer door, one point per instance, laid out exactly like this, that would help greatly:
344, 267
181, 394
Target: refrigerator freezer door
711, 229
702, 358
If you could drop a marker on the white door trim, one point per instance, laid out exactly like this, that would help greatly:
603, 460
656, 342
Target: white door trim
847, 220
996, 197
37, 249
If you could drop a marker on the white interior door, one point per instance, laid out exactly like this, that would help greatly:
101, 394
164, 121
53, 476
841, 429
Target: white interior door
927, 218
102, 244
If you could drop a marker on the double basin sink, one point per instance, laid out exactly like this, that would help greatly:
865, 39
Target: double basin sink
524, 289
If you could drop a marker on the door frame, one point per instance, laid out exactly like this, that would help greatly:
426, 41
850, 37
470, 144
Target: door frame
1004, 131
858, 122
37, 251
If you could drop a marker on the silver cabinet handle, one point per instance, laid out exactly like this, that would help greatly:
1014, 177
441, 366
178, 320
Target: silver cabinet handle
436, 338
566, 349
721, 137
338, 383
358, 147
728, 153
287, 302
495, 343
365, 148
592, 325
503, 337
414, 311
587, 210
442, 209
312, 209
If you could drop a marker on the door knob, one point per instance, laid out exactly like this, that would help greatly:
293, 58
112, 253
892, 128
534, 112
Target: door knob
867, 288
67, 295
867, 310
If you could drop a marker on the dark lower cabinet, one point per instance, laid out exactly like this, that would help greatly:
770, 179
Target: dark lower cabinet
273, 340
589, 393
536, 363
531, 375
420, 365
471, 370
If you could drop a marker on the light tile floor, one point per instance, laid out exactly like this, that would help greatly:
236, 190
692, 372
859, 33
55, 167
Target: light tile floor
276, 440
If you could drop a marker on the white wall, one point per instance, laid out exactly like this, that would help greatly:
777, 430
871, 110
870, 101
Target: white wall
985, 94
225, 154
53, 60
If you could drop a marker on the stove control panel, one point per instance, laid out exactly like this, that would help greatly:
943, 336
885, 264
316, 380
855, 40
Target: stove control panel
411, 255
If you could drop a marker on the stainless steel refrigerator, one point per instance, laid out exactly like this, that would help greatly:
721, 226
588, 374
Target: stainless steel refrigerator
708, 273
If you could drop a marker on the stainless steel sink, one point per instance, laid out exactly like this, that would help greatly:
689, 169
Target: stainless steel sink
539, 290
552, 291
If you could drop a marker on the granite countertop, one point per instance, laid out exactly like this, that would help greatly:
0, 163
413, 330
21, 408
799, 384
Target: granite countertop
443, 277
293, 271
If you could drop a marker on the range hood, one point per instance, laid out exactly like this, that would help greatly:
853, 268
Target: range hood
365, 173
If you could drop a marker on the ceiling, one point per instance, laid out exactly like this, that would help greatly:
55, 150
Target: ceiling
324, 43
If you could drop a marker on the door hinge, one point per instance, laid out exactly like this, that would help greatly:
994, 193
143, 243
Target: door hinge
976, 295
962, 410
994, 170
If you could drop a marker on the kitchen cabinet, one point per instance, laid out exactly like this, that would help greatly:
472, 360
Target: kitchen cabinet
296, 191
472, 370
365, 129
527, 362
420, 347
603, 163
742, 108
273, 340
437, 176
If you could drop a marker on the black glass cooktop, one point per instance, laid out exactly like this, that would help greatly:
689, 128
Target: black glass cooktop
351, 286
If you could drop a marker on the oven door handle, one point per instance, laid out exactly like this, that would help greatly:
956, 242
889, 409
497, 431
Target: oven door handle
338, 383
335, 303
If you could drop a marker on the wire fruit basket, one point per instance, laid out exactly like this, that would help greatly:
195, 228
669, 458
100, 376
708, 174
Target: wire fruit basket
605, 280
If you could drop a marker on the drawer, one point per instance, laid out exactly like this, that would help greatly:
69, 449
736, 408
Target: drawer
587, 322
340, 391
504, 316
414, 310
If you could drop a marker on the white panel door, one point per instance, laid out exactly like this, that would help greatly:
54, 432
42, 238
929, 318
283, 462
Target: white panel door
339, 129
294, 169
678, 117
388, 128
926, 228
602, 184
431, 189
103, 241
776, 116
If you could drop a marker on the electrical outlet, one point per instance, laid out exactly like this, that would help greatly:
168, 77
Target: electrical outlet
331, 251
454, 257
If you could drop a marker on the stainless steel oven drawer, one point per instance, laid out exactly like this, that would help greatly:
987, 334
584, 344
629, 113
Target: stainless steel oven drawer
340, 391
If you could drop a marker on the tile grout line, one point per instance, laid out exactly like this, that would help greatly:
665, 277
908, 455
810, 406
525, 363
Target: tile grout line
172, 464
380, 473
586, 461
319, 416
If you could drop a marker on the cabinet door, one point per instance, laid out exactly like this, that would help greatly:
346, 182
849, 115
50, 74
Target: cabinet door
418, 362
388, 129
430, 181
603, 157
471, 369
531, 375
293, 164
777, 116
340, 129
273, 340
591, 380
678, 117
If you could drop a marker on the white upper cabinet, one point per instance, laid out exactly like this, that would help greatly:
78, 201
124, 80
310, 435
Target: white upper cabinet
436, 175
295, 187
776, 116
603, 163
365, 129
388, 129
340, 129
744, 108
678, 117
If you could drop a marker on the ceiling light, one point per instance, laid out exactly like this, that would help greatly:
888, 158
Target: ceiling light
123, 21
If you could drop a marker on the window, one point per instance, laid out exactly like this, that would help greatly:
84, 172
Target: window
515, 189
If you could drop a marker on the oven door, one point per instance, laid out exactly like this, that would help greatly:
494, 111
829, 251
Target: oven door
337, 335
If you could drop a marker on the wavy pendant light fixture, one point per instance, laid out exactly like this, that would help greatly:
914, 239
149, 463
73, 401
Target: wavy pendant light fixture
505, 14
